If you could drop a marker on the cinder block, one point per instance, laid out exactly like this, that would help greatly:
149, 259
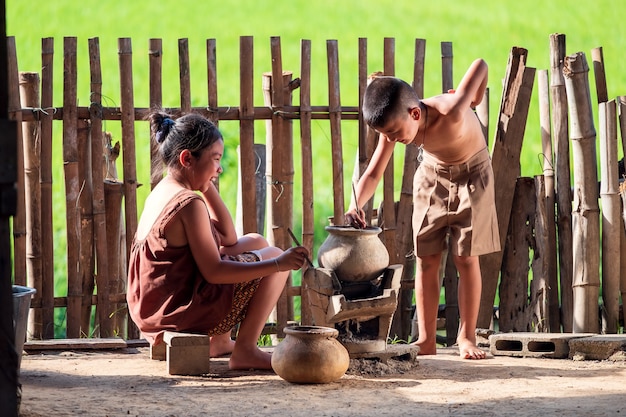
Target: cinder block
599, 347
186, 353
528, 344
157, 352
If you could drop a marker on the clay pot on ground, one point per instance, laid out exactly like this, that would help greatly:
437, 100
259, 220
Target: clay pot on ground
310, 355
353, 254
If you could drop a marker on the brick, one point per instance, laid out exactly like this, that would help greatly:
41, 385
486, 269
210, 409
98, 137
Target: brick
529, 344
157, 352
186, 353
599, 347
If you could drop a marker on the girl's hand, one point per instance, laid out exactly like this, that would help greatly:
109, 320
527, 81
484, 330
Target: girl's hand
293, 258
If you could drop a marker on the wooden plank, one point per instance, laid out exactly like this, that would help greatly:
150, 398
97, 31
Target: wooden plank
514, 311
401, 325
211, 63
98, 200
306, 152
75, 344
72, 187
156, 101
247, 161
128, 140
47, 244
334, 109
85, 201
518, 85
388, 223
540, 289
184, 75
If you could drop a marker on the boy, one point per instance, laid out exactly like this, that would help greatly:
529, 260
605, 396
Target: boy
453, 194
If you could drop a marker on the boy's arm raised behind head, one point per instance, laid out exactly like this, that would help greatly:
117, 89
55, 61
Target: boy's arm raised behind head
472, 87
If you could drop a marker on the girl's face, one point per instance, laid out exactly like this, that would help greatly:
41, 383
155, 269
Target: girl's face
207, 167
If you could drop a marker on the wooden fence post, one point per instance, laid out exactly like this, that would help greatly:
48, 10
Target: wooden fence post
507, 147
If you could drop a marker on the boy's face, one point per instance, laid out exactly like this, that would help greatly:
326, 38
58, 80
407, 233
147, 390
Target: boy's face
402, 129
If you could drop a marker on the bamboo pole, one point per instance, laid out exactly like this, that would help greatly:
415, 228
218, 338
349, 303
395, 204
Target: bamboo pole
19, 219
113, 281
514, 309
308, 218
611, 214
72, 187
184, 75
103, 264
29, 91
560, 131
585, 217
621, 107
597, 58
247, 210
334, 110
156, 100
85, 201
128, 141
47, 243
540, 289
549, 255
507, 146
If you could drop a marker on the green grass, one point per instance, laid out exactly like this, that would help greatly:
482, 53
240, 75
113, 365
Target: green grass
488, 30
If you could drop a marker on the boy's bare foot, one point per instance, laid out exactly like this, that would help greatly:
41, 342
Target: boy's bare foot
243, 358
221, 345
426, 348
469, 350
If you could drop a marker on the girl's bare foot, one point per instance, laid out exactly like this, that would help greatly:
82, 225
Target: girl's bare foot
469, 350
426, 347
246, 358
221, 345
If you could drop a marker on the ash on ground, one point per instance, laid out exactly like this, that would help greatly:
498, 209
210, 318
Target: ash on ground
376, 367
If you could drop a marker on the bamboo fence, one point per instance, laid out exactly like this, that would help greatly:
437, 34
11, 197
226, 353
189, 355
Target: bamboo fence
102, 212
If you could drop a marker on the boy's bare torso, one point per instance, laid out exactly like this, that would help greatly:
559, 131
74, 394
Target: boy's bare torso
450, 141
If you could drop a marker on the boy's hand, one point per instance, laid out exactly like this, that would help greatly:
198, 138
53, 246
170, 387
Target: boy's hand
355, 219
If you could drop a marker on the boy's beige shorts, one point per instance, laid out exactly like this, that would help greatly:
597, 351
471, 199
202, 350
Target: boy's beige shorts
454, 207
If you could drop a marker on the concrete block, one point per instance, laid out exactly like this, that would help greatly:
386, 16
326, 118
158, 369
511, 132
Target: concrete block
157, 352
599, 347
186, 353
529, 344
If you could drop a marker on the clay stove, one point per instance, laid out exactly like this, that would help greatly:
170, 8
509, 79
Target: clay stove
362, 310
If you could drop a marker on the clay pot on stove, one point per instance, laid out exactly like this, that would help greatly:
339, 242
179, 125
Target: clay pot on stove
353, 254
310, 355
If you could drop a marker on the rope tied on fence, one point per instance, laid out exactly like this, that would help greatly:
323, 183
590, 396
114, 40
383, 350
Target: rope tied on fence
37, 110
280, 187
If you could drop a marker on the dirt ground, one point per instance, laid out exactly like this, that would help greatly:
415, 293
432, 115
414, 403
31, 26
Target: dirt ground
127, 382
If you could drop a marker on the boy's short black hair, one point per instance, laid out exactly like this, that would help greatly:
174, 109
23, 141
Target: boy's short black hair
386, 98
